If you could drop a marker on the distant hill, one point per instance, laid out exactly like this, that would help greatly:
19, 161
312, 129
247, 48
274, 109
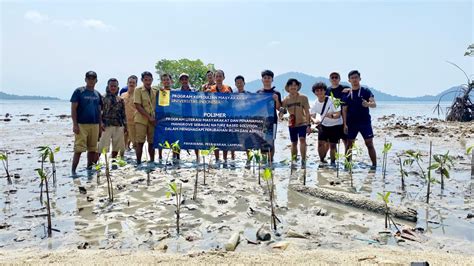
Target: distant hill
308, 81
6, 96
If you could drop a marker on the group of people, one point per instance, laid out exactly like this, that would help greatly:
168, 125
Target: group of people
127, 117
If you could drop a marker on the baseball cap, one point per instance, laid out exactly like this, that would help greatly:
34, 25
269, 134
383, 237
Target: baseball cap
183, 75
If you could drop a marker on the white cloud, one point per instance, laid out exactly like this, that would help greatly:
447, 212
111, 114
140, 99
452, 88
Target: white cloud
35, 16
96, 25
93, 24
273, 43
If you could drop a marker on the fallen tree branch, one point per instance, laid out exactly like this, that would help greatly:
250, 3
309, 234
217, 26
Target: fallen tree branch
357, 201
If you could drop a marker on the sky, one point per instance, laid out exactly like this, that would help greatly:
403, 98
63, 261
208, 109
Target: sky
400, 47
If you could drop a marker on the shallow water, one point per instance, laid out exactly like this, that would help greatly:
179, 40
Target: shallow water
230, 201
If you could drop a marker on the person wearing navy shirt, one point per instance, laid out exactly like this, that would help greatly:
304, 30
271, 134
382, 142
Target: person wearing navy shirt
356, 115
86, 104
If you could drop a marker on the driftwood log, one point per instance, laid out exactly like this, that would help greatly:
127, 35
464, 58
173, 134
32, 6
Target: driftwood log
357, 201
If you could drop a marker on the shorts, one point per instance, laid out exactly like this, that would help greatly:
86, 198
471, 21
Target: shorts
87, 138
364, 129
115, 134
331, 134
297, 132
131, 132
144, 132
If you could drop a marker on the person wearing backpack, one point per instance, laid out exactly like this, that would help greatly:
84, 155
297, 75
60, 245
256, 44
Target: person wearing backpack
86, 105
297, 105
330, 125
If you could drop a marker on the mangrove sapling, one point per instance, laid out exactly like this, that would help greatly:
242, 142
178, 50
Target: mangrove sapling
176, 191
110, 188
403, 172
98, 169
4, 159
44, 179
387, 146
206, 153
196, 185
417, 157
48, 153
268, 178
443, 164
469, 150
388, 218
173, 147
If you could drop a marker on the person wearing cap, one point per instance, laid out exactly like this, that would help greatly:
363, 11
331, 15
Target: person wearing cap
297, 105
114, 120
144, 98
330, 122
267, 81
210, 81
220, 87
130, 109
337, 91
86, 105
356, 115
184, 81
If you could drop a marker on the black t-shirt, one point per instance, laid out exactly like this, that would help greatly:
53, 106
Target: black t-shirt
337, 92
272, 90
356, 113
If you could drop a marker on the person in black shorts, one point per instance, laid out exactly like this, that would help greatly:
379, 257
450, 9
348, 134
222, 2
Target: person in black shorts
330, 122
337, 92
356, 115
267, 80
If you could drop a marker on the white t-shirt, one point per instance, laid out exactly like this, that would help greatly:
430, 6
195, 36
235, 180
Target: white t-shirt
329, 108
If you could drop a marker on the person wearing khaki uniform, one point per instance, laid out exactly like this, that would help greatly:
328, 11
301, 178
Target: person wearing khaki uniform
130, 109
144, 98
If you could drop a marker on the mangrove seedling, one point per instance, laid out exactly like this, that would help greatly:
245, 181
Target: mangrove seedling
403, 172
196, 185
256, 157
44, 179
469, 150
268, 178
98, 169
4, 159
48, 153
388, 218
443, 164
206, 153
387, 146
173, 147
110, 188
175, 191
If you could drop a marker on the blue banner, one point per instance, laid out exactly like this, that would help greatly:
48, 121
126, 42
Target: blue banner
228, 121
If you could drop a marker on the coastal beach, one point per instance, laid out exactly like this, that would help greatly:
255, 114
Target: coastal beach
139, 225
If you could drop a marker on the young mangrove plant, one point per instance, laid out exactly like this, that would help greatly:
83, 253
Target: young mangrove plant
206, 153
4, 159
388, 218
387, 146
196, 184
469, 150
176, 191
172, 148
48, 153
255, 156
403, 172
110, 188
44, 179
98, 168
443, 164
268, 178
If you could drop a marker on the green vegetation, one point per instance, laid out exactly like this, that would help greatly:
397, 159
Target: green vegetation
196, 70
268, 178
176, 192
443, 164
206, 153
4, 159
387, 146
